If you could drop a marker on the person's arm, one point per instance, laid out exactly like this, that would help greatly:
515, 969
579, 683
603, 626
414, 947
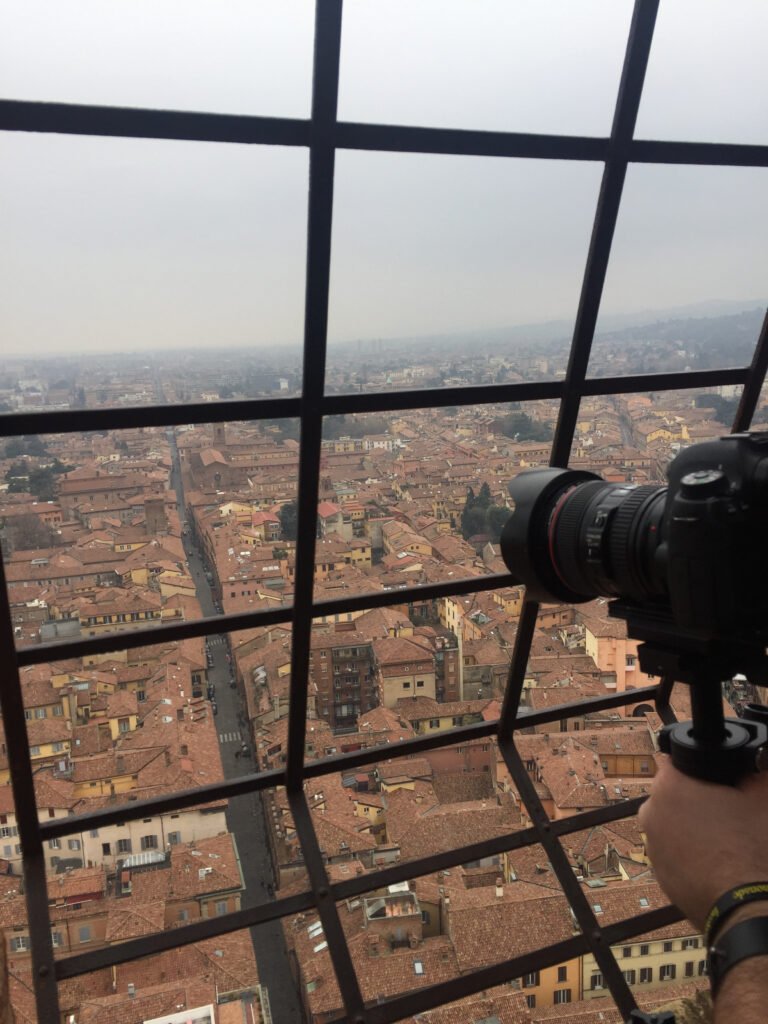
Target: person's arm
704, 840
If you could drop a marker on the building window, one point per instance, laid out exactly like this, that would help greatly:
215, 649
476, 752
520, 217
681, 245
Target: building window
174, 838
630, 977
221, 907
123, 845
419, 682
690, 943
84, 933
149, 842
19, 943
702, 968
562, 995
668, 947
667, 972
626, 951
106, 849
644, 949
531, 980
646, 975
530, 1001
39, 712
73, 844
58, 711
562, 974
689, 968
596, 981
434, 723
57, 939
183, 915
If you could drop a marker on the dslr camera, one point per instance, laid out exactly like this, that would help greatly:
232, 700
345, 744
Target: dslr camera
686, 566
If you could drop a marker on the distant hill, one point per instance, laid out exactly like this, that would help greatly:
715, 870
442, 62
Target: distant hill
687, 323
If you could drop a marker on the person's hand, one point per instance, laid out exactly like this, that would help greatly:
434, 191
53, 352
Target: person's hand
705, 839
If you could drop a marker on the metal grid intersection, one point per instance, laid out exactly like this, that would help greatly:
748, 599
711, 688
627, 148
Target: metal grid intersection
323, 135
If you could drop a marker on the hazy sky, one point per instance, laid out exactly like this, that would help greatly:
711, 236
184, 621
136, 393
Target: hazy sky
129, 244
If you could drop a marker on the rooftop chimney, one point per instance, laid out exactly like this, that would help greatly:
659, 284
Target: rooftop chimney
499, 888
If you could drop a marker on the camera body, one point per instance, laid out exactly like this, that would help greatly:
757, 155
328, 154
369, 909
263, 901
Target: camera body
691, 558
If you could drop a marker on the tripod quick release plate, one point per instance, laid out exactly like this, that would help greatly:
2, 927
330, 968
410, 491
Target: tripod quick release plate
735, 757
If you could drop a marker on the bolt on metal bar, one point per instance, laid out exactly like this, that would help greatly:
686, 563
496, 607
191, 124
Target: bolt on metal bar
606, 215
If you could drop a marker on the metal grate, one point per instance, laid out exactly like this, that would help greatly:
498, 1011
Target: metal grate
323, 135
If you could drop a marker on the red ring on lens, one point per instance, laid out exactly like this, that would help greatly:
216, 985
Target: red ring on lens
551, 532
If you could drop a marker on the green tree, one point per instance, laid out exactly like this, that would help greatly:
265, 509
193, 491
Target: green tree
484, 499
29, 532
497, 517
289, 520
473, 522
521, 427
469, 504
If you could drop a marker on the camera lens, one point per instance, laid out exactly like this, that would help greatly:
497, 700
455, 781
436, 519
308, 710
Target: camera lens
572, 537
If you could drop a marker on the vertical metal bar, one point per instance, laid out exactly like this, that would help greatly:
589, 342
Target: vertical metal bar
587, 921
606, 214
320, 213
23, 786
754, 385
334, 933
516, 675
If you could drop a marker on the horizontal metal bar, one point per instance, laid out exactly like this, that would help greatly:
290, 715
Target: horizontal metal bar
468, 142
130, 811
129, 417
348, 889
143, 123
156, 635
54, 828
421, 1000
663, 381
711, 154
198, 931
439, 398
200, 126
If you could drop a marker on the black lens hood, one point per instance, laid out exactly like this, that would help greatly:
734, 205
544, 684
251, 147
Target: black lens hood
524, 541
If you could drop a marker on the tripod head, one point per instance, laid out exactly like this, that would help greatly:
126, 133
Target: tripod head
710, 747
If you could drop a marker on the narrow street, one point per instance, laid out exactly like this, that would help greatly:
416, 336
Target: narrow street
245, 818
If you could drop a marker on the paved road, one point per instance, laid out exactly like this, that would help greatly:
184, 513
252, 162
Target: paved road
245, 817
